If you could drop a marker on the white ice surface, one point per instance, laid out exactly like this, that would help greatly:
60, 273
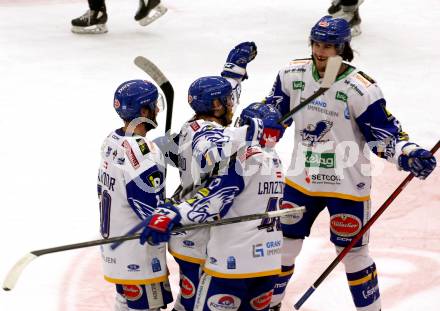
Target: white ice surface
56, 91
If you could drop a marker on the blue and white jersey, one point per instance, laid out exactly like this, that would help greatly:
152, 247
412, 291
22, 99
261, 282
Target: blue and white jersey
130, 186
252, 183
335, 133
202, 144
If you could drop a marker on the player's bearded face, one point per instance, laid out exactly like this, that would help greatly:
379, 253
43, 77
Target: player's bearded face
321, 52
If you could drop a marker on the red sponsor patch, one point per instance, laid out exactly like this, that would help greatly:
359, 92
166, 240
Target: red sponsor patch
249, 153
132, 292
261, 302
187, 288
279, 174
130, 154
105, 165
345, 225
307, 179
194, 125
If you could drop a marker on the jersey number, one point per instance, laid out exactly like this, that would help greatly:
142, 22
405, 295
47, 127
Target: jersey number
104, 210
271, 224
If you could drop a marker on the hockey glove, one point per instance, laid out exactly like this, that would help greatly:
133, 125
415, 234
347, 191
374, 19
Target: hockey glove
160, 224
254, 132
272, 133
238, 59
417, 160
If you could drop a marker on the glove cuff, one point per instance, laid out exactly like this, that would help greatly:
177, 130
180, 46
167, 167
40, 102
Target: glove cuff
233, 71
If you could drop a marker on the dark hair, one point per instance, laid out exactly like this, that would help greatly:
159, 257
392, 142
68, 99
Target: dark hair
347, 52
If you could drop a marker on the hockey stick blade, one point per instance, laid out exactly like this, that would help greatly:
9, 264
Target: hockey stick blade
165, 85
331, 71
15, 272
13, 275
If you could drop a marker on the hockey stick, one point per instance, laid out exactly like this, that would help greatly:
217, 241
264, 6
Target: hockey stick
331, 71
13, 275
359, 235
165, 85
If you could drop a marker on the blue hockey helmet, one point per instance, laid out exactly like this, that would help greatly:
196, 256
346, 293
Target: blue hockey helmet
132, 95
204, 90
331, 30
273, 131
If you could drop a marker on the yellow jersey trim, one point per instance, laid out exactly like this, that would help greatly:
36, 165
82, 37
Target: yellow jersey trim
365, 279
241, 275
288, 272
187, 258
136, 282
326, 194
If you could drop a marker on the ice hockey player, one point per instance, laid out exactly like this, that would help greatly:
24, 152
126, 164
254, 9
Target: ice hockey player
130, 186
330, 166
203, 142
243, 259
348, 10
95, 19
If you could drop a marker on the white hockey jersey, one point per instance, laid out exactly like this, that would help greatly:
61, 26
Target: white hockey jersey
130, 186
253, 183
201, 145
335, 133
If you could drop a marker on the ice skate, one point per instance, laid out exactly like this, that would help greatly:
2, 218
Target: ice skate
149, 11
91, 22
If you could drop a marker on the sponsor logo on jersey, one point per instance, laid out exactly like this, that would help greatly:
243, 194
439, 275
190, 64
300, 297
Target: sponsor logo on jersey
133, 268
231, 263
323, 160
298, 85
279, 174
132, 292
130, 154
143, 147
223, 302
212, 260
324, 179
341, 96
187, 288
320, 106
345, 225
364, 78
290, 219
261, 302
314, 133
257, 250
194, 126
360, 185
105, 165
354, 87
109, 150
370, 292
188, 243
155, 265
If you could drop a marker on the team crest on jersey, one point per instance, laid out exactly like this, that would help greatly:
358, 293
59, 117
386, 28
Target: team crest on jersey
142, 208
132, 292
210, 134
205, 208
223, 302
261, 302
314, 133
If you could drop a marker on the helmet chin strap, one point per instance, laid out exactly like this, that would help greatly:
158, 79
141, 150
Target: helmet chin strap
150, 125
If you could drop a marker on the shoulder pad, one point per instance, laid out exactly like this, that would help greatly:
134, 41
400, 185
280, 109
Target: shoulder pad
364, 78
